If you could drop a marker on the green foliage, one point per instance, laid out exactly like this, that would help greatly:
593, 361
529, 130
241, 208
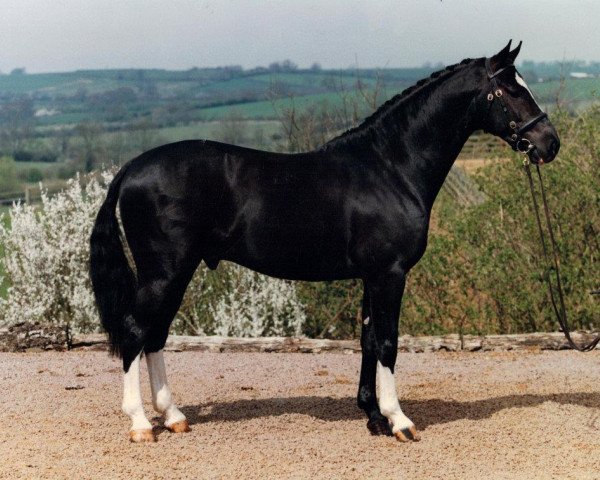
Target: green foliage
31, 175
332, 308
484, 272
9, 183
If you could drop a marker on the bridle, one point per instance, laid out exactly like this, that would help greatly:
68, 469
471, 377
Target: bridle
516, 140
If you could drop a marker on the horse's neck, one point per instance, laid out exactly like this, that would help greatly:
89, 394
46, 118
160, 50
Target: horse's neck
436, 142
420, 140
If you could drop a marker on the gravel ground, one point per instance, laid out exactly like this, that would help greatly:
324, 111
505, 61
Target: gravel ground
481, 415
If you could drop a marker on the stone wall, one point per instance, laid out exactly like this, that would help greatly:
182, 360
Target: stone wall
35, 337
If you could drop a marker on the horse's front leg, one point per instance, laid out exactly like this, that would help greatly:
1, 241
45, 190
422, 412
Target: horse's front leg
385, 294
367, 397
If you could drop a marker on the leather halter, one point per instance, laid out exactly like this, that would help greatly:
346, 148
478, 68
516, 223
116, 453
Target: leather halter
517, 141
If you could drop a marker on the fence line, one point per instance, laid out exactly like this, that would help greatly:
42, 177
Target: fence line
30, 194
481, 145
462, 188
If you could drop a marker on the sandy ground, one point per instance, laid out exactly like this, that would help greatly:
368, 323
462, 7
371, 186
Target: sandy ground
481, 415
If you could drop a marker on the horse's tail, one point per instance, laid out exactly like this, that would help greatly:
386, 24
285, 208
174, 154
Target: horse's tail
113, 280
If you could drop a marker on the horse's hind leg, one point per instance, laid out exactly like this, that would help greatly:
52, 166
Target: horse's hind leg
141, 429
162, 399
157, 300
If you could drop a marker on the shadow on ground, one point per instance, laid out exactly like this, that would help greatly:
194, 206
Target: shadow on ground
423, 412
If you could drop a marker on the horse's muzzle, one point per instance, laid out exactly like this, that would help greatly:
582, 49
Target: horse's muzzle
545, 147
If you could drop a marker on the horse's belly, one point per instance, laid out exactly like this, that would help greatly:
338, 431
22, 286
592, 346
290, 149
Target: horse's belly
293, 255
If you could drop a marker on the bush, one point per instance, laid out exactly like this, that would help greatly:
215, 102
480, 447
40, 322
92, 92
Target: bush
332, 308
9, 183
31, 175
235, 301
46, 257
483, 271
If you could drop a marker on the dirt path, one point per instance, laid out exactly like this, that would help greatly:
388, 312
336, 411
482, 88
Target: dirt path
481, 415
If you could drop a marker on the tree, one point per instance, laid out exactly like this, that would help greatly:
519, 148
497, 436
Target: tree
91, 144
145, 135
288, 65
232, 128
17, 120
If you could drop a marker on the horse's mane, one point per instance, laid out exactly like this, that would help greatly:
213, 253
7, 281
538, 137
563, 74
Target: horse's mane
398, 99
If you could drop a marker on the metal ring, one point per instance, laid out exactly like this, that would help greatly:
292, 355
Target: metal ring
523, 145
514, 137
513, 124
498, 93
490, 97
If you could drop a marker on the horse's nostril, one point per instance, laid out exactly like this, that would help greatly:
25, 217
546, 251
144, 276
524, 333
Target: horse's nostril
554, 147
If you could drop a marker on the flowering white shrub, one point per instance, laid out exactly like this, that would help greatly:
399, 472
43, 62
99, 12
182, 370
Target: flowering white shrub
256, 305
235, 301
46, 254
46, 263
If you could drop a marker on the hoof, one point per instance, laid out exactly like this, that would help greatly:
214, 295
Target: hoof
379, 426
141, 436
179, 427
407, 434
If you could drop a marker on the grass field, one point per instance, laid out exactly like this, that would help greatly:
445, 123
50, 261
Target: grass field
209, 130
268, 109
574, 91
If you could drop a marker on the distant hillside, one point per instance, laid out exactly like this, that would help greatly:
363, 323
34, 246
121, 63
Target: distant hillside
116, 98
171, 97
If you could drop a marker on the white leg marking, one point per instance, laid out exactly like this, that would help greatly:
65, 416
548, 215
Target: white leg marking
388, 399
132, 397
161, 394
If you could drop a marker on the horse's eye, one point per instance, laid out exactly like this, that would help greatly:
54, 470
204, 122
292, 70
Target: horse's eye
513, 90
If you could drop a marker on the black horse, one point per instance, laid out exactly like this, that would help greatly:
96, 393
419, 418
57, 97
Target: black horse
358, 207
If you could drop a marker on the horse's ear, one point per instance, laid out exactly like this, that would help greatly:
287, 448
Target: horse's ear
501, 59
513, 55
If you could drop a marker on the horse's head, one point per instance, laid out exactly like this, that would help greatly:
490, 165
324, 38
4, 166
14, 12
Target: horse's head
511, 112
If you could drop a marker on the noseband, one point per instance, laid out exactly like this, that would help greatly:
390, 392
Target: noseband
517, 141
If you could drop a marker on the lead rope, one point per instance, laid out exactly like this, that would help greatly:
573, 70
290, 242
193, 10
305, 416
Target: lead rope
561, 314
